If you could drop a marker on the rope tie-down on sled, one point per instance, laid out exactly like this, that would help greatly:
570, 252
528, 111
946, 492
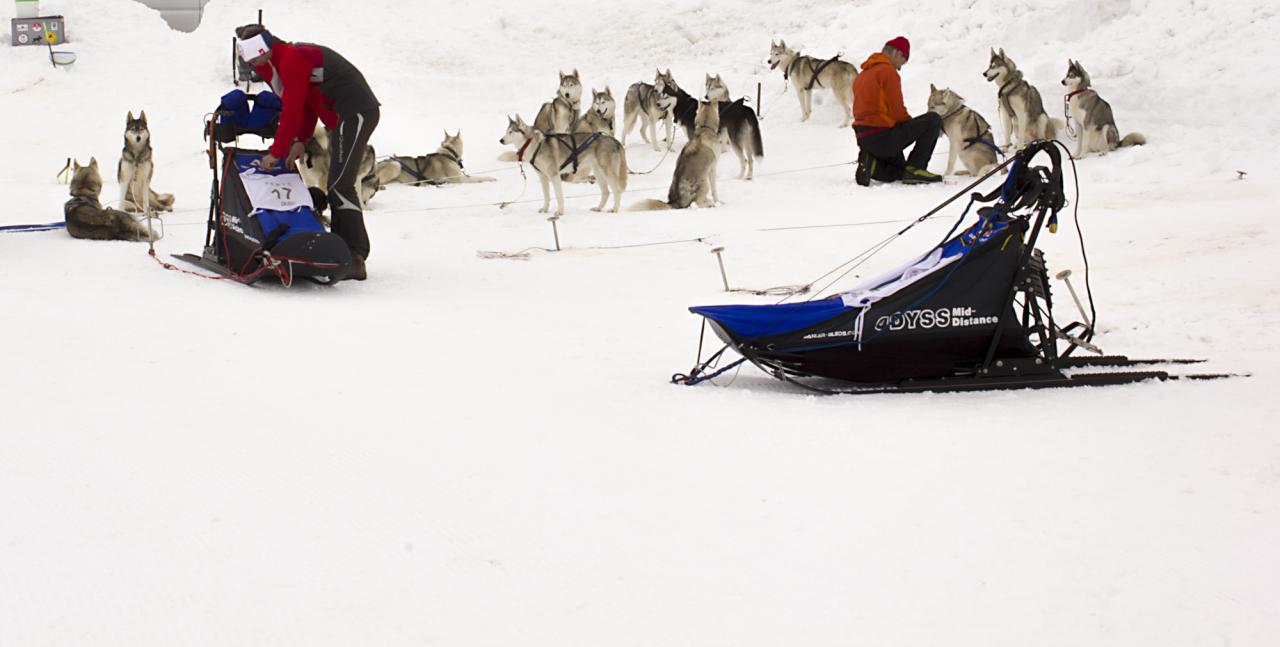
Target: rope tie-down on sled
975, 312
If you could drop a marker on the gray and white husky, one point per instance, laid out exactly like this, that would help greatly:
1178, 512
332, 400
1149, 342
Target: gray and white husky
805, 72
441, 167
1021, 109
560, 114
87, 218
717, 90
969, 134
599, 118
650, 104
549, 154
695, 178
1098, 132
136, 168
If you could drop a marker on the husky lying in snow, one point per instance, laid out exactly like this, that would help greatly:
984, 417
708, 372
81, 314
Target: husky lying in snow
87, 218
1098, 132
136, 168
805, 72
1021, 109
441, 167
551, 153
650, 104
969, 134
695, 176
739, 128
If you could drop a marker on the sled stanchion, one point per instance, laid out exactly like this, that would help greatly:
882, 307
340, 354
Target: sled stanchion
555, 230
720, 259
1065, 277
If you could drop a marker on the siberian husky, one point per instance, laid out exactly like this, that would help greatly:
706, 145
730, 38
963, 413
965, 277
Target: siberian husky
599, 118
716, 89
87, 218
649, 104
550, 154
695, 176
969, 134
1021, 109
805, 72
1098, 132
136, 168
441, 167
739, 128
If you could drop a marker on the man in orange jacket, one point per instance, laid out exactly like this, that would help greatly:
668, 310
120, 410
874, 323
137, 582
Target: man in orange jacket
883, 126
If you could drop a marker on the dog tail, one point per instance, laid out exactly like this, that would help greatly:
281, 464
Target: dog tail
650, 205
162, 201
756, 142
623, 169
1133, 139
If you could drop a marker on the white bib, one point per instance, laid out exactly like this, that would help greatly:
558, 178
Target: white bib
284, 192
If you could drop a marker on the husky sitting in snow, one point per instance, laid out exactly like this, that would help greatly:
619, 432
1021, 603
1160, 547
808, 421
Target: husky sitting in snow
739, 128
560, 114
87, 218
1098, 132
136, 168
695, 178
969, 134
1021, 109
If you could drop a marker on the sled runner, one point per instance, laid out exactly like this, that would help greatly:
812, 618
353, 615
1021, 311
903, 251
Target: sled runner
973, 313
261, 223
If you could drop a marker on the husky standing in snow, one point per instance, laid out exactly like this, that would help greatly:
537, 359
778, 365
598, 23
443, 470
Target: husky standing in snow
1098, 132
87, 218
136, 168
649, 104
551, 153
695, 175
599, 118
806, 72
969, 134
738, 124
441, 167
1021, 109
560, 114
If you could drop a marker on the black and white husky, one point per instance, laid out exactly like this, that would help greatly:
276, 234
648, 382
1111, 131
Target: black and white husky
1098, 132
1021, 109
136, 168
737, 123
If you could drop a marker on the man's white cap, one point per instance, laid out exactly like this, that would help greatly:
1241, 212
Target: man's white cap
253, 47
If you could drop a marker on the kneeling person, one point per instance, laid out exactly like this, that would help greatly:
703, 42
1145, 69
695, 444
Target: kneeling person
883, 126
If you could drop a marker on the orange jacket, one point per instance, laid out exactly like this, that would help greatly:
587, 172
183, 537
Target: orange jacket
877, 97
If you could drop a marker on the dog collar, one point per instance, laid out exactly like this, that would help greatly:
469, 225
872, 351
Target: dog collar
523, 148
1074, 93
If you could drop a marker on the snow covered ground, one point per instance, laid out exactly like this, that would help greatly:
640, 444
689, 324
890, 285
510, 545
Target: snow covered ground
462, 451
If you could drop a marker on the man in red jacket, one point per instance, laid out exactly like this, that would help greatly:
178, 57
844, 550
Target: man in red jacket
315, 82
883, 126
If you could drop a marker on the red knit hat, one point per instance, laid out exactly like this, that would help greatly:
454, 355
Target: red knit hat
902, 45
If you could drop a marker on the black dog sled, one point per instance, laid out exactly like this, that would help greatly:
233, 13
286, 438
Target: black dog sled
973, 313
261, 223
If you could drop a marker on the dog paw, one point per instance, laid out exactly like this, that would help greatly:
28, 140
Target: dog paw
543, 210
596, 209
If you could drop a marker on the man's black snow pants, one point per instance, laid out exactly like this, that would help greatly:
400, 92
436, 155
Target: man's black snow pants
888, 145
346, 151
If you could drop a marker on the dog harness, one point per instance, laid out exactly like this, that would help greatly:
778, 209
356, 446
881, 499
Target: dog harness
786, 73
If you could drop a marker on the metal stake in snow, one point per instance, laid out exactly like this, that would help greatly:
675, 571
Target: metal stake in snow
555, 230
759, 106
720, 259
1065, 277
